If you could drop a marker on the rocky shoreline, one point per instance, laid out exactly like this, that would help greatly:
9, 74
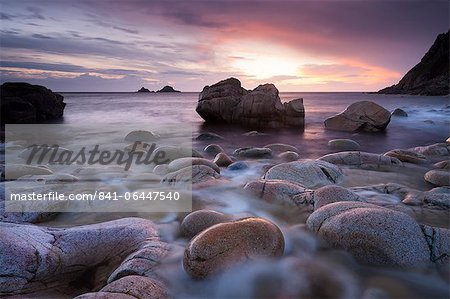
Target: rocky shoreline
386, 224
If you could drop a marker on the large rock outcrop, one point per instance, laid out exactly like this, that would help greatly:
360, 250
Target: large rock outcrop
26, 103
360, 116
430, 76
227, 102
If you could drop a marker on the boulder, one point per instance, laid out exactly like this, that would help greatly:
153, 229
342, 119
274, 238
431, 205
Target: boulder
200, 220
433, 150
360, 116
332, 193
253, 152
213, 149
288, 277
15, 171
35, 257
227, 244
343, 145
407, 156
277, 191
239, 165
227, 102
438, 240
222, 160
26, 103
289, 156
310, 174
130, 287
141, 135
374, 235
438, 177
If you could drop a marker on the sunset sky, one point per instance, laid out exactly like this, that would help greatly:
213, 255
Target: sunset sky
325, 45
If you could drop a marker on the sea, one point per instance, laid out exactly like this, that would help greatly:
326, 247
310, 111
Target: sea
428, 118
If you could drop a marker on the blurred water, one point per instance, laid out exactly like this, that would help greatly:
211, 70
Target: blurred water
428, 121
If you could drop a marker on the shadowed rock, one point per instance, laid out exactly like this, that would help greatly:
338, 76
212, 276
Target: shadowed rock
26, 103
430, 76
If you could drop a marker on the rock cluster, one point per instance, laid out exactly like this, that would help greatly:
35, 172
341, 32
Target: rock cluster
227, 102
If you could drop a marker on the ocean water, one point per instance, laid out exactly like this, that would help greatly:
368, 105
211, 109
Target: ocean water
428, 121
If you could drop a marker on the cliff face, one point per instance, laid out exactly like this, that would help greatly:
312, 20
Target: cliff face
430, 76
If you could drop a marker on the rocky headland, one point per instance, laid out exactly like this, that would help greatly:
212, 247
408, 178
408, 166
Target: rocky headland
430, 76
26, 103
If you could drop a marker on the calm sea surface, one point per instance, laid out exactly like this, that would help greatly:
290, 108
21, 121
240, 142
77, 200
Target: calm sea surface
428, 121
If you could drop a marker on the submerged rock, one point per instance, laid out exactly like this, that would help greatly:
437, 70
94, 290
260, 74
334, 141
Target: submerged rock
374, 235
289, 277
332, 193
253, 152
278, 148
15, 171
26, 103
227, 102
34, 257
343, 145
364, 115
399, 112
224, 245
200, 220
209, 136
311, 174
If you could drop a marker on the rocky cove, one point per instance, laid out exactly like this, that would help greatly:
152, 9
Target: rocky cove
309, 218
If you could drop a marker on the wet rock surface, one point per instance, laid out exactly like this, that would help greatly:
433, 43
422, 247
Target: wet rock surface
365, 116
374, 235
224, 245
310, 174
34, 258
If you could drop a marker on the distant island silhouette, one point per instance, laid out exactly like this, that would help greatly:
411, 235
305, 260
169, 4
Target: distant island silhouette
166, 88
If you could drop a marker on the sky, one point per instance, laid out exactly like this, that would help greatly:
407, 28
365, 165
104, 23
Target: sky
320, 45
